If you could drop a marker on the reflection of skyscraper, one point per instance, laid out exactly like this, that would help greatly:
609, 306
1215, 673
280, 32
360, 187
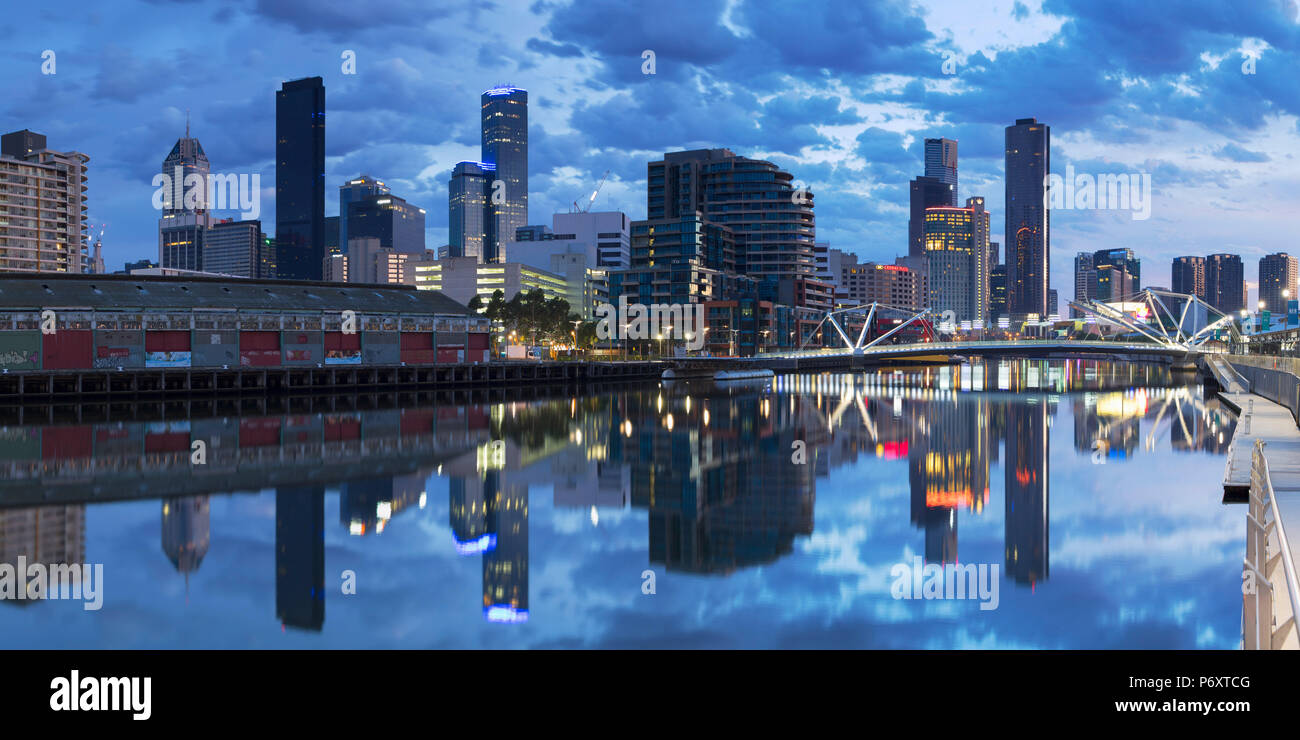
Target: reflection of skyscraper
948, 469
185, 531
366, 506
300, 556
50, 535
1026, 491
722, 500
468, 497
505, 567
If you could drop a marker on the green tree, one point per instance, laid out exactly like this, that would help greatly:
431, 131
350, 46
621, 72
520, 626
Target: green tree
476, 304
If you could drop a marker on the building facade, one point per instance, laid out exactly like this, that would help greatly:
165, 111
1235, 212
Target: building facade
300, 178
1028, 221
956, 247
1277, 282
43, 224
505, 150
1225, 283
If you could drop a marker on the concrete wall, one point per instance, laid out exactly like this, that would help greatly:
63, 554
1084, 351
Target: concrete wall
212, 348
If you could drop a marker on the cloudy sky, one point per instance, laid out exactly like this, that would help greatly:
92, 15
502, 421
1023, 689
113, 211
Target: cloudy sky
1200, 94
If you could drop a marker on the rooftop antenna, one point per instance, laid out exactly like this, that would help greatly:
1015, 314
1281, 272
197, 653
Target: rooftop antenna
187, 123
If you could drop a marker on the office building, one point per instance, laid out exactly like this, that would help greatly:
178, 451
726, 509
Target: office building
923, 193
467, 209
397, 225
1118, 275
186, 215
956, 248
941, 164
1277, 282
234, 248
1028, 222
42, 206
462, 278
997, 293
505, 151
1085, 281
356, 189
300, 179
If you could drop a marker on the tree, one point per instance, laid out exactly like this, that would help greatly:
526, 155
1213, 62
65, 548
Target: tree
476, 304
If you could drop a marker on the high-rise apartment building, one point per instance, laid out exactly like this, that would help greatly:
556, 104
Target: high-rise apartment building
1277, 282
505, 151
1118, 274
772, 221
1085, 280
1188, 276
300, 179
923, 193
1225, 283
235, 248
42, 206
1028, 222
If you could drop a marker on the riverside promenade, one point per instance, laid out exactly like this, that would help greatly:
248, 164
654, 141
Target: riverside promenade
1263, 470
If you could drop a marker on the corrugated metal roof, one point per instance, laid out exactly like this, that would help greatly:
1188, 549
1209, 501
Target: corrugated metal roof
28, 291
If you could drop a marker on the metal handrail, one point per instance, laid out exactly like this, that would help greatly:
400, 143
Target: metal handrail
1288, 563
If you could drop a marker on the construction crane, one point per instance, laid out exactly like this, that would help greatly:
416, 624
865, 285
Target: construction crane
592, 199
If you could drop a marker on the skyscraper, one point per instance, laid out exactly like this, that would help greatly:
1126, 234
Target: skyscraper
235, 248
1085, 280
1188, 276
467, 209
956, 248
354, 190
300, 179
1225, 283
1277, 281
44, 202
1028, 222
941, 164
185, 217
923, 193
997, 292
505, 151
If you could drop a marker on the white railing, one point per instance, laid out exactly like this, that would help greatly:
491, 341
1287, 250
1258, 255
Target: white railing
1270, 598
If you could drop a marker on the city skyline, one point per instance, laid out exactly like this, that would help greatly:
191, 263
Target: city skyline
590, 103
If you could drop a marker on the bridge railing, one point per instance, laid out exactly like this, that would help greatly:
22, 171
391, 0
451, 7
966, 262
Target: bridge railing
1063, 345
1271, 590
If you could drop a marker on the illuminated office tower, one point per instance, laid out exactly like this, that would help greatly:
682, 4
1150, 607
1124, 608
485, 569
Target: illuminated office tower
941, 164
505, 567
1277, 282
957, 251
1028, 222
505, 150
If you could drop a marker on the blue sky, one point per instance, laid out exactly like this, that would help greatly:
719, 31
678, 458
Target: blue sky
839, 93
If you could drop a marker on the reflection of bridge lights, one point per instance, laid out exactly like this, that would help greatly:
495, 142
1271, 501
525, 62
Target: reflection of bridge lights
1025, 477
595, 517
668, 422
423, 498
706, 417
627, 427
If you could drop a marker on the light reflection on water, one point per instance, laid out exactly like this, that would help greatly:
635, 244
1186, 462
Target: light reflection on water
771, 515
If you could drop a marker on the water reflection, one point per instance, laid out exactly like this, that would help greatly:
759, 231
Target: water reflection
721, 480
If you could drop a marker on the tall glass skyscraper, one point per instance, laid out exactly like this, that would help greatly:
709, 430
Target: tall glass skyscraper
300, 179
505, 150
1225, 283
467, 209
1028, 222
941, 164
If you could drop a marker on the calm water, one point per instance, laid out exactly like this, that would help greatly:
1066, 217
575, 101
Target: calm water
770, 515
